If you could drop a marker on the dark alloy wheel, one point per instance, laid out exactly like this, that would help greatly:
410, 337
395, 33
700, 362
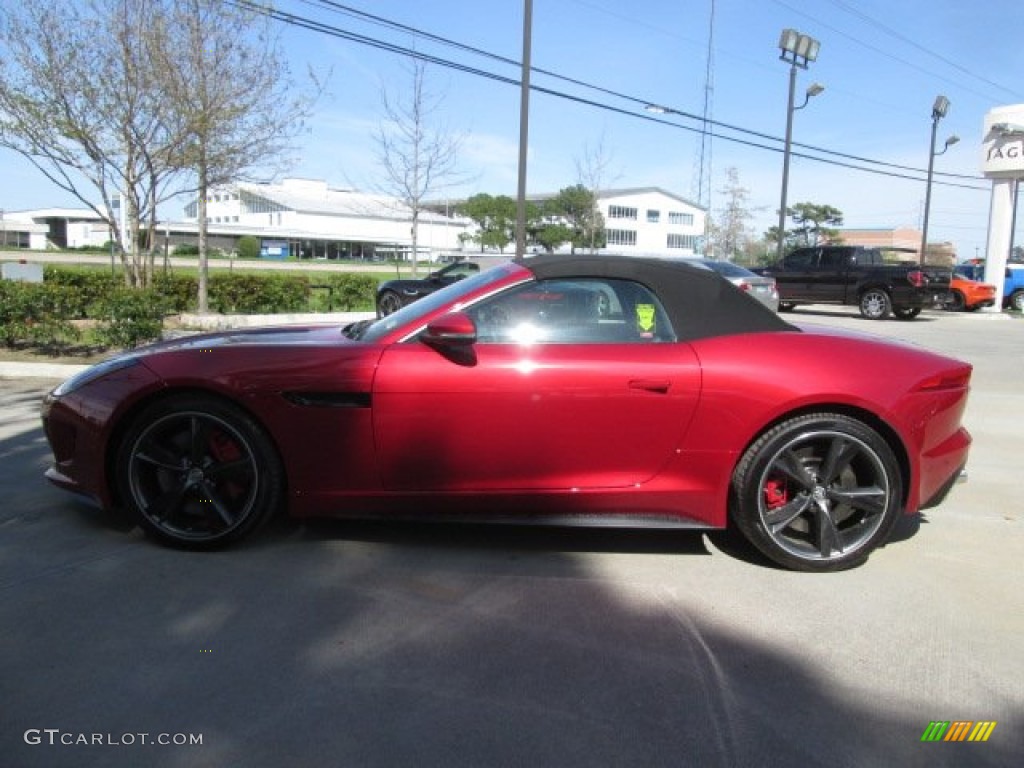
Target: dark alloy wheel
907, 313
388, 302
817, 492
957, 302
198, 472
875, 304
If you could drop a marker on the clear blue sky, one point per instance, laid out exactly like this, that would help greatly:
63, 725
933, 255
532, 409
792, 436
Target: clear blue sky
882, 64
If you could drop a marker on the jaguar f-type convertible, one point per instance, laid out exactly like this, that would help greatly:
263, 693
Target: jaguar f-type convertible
559, 390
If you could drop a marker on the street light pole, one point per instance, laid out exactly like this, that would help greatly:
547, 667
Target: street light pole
785, 165
798, 50
939, 110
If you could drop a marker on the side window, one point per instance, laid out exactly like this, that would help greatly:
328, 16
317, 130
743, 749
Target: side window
834, 258
801, 259
461, 270
572, 311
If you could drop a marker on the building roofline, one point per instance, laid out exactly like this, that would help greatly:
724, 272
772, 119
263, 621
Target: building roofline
601, 195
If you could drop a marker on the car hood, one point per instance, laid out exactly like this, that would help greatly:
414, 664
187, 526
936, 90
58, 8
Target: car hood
311, 335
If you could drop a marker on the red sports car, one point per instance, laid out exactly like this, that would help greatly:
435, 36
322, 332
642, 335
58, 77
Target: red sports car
553, 390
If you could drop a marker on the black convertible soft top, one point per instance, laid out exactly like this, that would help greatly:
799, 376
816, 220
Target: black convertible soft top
700, 303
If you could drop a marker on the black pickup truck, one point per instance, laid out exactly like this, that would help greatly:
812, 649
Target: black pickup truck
858, 276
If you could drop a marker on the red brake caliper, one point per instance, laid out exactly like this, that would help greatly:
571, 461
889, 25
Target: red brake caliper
775, 494
223, 448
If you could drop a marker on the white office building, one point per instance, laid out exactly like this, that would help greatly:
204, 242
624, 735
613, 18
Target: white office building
648, 221
308, 219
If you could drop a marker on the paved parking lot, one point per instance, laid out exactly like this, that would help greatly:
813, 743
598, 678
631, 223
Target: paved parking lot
369, 645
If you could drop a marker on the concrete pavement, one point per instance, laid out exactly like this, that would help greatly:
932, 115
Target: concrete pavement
366, 644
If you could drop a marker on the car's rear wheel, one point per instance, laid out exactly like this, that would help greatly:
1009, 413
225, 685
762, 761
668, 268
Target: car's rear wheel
388, 302
198, 472
875, 304
786, 306
817, 492
957, 302
907, 313
1017, 301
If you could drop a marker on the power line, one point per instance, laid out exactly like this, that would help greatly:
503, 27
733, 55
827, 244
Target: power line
914, 44
313, 25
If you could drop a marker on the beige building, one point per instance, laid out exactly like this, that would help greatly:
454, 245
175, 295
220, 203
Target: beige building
903, 238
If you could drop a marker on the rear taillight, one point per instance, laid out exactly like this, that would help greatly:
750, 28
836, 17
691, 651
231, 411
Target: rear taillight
744, 286
917, 278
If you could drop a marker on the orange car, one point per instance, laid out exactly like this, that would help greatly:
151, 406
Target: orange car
967, 295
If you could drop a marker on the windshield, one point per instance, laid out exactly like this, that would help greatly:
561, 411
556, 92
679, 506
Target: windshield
728, 269
374, 331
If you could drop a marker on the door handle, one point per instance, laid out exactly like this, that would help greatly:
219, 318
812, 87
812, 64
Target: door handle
660, 386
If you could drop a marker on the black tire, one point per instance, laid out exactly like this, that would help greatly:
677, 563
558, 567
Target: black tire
786, 306
957, 302
388, 302
817, 492
198, 472
907, 313
875, 304
1017, 301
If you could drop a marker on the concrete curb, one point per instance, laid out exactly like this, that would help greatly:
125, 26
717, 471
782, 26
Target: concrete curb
59, 371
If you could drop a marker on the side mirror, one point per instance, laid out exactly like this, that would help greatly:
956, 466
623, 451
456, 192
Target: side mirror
455, 329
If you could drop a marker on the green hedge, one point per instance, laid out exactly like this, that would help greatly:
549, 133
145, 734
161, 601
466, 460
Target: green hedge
83, 286
41, 314
38, 314
246, 294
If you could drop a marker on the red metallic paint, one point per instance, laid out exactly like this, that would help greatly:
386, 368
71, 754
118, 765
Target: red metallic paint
624, 429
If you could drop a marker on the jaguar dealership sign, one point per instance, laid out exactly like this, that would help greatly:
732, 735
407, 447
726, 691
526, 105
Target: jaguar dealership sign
1002, 161
1003, 143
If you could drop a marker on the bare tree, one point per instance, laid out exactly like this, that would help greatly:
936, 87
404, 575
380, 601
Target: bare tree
182, 96
88, 116
731, 230
235, 109
418, 158
592, 172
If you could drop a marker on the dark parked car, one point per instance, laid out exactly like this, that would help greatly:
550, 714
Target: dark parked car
392, 295
554, 390
858, 276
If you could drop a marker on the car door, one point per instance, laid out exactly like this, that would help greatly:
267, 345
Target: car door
827, 278
794, 279
572, 384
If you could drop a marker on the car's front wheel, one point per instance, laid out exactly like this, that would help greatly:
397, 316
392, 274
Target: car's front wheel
198, 472
388, 302
817, 492
875, 304
957, 302
1017, 301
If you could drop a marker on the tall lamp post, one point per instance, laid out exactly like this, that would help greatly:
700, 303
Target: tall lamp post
939, 110
799, 50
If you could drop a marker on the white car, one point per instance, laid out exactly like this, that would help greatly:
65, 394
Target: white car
761, 288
